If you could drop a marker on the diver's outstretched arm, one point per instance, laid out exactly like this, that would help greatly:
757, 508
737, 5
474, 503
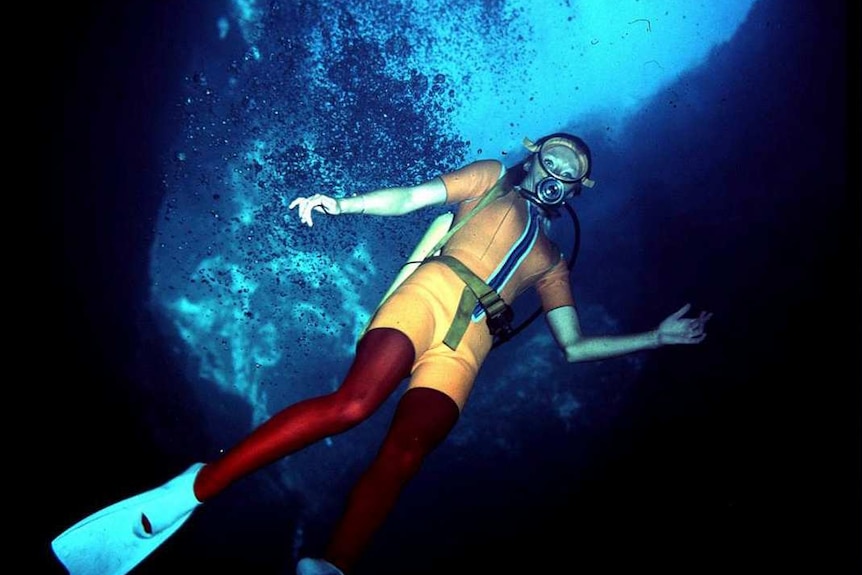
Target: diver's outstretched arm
394, 201
675, 329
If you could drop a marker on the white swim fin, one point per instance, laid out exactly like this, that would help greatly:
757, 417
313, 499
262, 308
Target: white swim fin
114, 540
310, 566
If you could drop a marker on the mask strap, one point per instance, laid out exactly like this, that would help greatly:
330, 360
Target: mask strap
530, 145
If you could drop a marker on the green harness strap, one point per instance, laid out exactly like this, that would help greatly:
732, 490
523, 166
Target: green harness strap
498, 313
475, 290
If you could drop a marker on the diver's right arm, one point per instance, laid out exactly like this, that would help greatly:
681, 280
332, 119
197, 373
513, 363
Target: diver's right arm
394, 201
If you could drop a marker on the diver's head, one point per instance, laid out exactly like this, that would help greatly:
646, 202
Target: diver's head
558, 167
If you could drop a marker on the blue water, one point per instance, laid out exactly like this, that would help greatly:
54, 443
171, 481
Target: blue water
195, 305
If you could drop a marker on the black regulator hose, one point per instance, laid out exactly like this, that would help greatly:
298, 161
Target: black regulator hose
576, 245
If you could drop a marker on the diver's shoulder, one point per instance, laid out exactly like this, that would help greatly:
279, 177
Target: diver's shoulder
490, 165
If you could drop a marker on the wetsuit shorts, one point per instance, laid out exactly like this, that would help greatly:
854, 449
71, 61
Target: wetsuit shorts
423, 308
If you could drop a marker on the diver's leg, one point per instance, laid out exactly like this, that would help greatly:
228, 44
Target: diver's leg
114, 540
383, 359
422, 420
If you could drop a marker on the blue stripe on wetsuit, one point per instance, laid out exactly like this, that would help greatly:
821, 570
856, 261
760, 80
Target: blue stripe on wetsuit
513, 259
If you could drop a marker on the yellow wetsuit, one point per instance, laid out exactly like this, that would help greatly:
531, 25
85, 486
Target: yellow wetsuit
505, 245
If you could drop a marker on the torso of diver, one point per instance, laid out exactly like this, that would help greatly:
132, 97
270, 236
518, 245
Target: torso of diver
505, 245
505, 242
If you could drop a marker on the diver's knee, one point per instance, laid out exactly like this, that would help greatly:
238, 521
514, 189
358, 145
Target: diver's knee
355, 410
423, 419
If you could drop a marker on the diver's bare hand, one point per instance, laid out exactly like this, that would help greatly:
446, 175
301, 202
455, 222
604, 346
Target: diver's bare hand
315, 203
676, 329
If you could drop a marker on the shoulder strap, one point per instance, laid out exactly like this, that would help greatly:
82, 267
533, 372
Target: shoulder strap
491, 194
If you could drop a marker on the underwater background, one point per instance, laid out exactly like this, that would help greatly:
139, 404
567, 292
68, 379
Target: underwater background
195, 305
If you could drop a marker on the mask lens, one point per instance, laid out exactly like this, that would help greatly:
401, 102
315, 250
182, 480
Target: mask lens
560, 160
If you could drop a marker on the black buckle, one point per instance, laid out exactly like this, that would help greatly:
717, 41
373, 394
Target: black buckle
499, 320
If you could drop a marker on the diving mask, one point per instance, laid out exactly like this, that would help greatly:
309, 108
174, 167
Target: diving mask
565, 162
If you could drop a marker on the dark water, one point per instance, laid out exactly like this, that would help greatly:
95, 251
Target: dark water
739, 455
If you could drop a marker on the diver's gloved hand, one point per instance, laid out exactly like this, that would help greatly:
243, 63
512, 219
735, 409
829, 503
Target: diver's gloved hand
315, 203
676, 329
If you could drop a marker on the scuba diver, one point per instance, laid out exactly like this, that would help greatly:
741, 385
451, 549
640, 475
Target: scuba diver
436, 327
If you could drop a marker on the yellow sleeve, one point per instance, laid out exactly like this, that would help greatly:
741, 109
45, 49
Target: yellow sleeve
472, 180
554, 287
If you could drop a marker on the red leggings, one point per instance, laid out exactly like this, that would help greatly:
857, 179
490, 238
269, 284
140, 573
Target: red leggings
422, 420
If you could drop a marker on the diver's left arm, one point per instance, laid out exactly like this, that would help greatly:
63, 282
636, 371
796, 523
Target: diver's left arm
675, 329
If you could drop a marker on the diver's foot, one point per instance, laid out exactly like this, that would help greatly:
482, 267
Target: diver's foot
310, 566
